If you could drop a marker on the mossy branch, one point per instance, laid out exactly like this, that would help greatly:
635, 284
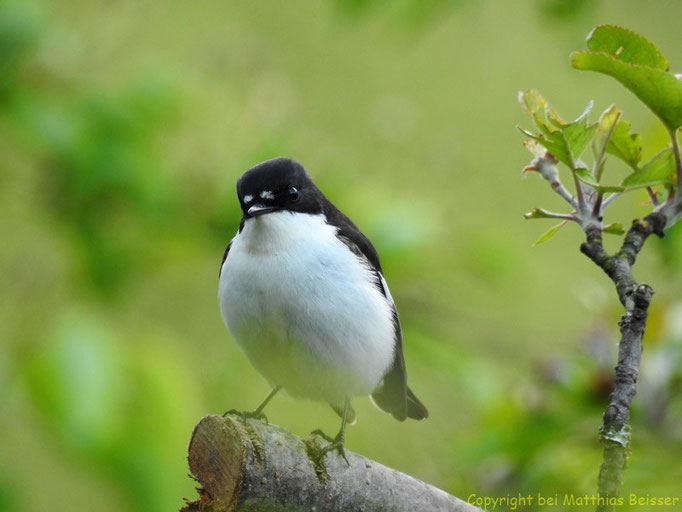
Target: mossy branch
248, 465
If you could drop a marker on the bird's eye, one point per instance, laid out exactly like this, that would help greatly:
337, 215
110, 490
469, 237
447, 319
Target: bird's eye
293, 193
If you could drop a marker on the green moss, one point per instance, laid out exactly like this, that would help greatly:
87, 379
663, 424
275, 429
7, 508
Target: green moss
316, 455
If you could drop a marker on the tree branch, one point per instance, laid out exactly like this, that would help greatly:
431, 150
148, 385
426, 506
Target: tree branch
249, 465
615, 432
618, 267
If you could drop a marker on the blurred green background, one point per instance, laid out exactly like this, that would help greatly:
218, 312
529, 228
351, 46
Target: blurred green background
123, 127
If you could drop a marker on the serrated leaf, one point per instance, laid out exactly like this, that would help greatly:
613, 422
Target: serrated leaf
586, 177
615, 228
622, 144
659, 170
549, 233
606, 121
658, 89
625, 145
566, 141
555, 144
578, 135
545, 117
627, 46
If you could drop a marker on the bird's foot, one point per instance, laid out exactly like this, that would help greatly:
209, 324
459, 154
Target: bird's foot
335, 444
246, 415
319, 432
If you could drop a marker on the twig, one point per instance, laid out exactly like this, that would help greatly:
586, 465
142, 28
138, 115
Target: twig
678, 158
546, 165
653, 196
541, 213
609, 200
579, 193
560, 189
596, 210
250, 465
599, 161
615, 432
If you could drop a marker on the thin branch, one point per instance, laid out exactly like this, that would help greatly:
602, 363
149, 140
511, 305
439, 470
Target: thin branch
678, 159
560, 189
615, 433
599, 161
541, 213
618, 267
609, 199
596, 210
546, 166
579, 193
653, 196
564, 216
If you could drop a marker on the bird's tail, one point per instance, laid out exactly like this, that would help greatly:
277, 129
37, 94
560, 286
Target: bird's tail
415, 409
400, 405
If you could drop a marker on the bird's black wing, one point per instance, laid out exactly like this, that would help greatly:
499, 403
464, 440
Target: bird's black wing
227, 249
392, 395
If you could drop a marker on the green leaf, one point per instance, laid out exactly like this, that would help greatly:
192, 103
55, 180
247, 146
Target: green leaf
625, 145
622, 436
537, 213
555, 144
659, 170
543, 114
578, 134
638, 65
622, 144
566, 141
586, 177
615, 228
550, 233
627, 46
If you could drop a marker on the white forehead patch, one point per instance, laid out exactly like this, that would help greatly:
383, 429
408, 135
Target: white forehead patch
266, 194
248, 198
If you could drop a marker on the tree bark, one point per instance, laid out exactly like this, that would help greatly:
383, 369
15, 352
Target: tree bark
248, 465
615, 432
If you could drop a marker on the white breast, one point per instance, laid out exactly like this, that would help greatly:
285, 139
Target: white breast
305, 309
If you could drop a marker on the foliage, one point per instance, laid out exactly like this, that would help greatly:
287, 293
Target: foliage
637, 64
641, 67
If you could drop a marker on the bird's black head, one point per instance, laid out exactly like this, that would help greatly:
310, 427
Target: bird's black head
276, 185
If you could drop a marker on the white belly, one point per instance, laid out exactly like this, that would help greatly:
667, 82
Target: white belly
304, 308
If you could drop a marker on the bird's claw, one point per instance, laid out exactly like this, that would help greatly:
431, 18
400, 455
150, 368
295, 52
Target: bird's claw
246, 415
335, 444
318, 432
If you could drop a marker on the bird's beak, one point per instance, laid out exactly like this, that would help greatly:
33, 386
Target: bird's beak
260, 209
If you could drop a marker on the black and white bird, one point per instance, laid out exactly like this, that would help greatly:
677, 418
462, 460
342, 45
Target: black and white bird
302, 292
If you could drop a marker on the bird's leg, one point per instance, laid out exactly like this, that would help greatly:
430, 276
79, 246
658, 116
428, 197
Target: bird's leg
258, 413
337, 442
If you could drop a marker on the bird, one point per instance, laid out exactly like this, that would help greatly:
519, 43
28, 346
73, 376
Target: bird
302, 292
